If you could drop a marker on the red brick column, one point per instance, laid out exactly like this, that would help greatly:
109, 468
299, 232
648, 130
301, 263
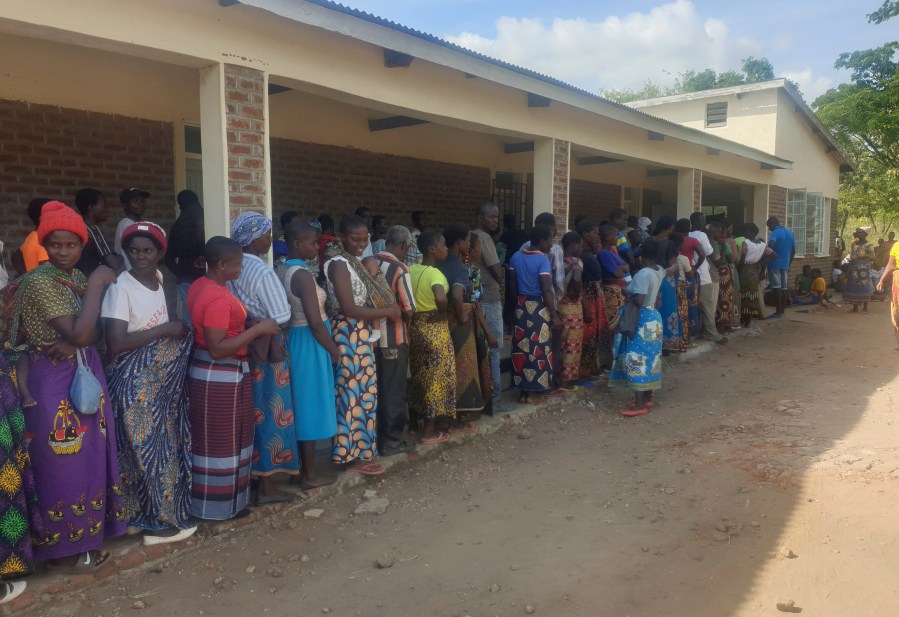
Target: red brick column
561, 182
245, 108
777, 203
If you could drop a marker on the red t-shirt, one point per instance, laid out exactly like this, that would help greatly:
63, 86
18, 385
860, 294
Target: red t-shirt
212, 306
689, 249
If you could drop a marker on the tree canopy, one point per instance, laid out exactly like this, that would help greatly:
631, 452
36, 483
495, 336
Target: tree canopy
752, 71
863, 116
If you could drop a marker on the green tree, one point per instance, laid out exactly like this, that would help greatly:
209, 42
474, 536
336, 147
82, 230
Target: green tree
863, 116
889, 8
753, 70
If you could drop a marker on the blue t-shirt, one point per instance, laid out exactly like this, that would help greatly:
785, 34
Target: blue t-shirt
781, 242
529, 266
610, 262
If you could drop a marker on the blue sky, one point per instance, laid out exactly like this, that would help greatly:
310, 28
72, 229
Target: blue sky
615, 43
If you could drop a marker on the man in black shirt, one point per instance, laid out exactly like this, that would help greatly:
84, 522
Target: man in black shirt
92, 206
186, 241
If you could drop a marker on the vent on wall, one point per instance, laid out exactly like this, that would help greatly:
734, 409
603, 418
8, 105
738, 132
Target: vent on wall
715, 115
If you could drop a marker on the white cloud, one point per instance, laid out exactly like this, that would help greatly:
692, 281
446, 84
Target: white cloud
617, 52
812, 87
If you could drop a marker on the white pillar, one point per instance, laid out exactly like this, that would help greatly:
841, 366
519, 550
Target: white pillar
689, 192
213, 132
760, 207
544, 155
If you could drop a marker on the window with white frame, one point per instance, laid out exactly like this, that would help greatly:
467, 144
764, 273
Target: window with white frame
807, 219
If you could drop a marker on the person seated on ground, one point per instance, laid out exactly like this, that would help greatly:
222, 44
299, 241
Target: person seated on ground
801, 294
837, 276
819, 289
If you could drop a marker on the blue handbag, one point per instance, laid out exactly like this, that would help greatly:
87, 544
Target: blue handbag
86, 391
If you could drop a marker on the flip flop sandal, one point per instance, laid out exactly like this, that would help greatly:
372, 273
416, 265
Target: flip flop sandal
11, 591
305, 486
372, 469
635, 412
90, 560
556, 393
585, 383
441, 437
464, 430
648, 405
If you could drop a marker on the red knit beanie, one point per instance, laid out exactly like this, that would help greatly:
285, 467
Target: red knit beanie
56, 216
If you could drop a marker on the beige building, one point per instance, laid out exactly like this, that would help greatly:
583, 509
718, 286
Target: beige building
770, 116
306, 105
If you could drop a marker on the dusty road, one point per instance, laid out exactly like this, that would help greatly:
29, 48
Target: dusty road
767, 474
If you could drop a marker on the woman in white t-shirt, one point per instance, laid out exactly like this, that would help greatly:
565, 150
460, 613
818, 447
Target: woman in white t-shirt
146, 384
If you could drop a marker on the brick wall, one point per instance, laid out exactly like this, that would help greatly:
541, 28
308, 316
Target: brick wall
561, 182
48, 151
245, 122
592, 199
313, 179
777, 203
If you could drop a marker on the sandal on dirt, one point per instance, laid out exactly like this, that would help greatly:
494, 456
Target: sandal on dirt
633, 413
11, 591
372, 469
461, 430
438, 438
557, 393
648, 405
90, 560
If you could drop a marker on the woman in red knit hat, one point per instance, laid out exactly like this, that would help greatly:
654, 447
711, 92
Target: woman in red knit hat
73, 451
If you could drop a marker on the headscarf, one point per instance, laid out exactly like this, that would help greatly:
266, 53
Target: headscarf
248, 227
316, 225
644, 223
56, 216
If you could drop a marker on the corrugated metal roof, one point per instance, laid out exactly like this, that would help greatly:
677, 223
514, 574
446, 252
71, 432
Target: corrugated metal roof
701, 136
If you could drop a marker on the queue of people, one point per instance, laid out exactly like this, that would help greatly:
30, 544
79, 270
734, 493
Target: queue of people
376, 339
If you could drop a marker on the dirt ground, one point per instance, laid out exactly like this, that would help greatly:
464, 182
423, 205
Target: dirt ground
766, 474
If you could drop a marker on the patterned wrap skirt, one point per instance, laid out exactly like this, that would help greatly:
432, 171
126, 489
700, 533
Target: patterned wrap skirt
597, 342
20, 515
638, 360
894, 305
572, 315
152, 413
725, 308
483, 353
859, 287
432, 388
275, 435
75, 461
750, 298
613, 296
694, 312
468, 379
221, 426
356, 387
672, 326
532, 355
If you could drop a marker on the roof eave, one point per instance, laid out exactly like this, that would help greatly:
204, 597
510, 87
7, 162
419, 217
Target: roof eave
390, 35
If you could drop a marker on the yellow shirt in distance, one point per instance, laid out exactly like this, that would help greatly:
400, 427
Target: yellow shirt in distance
423, 280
